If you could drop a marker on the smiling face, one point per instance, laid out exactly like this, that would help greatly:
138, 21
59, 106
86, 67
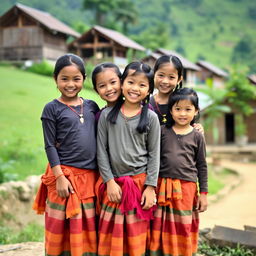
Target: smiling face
135, 87
166, 78
69, 82
183, 112
108, 85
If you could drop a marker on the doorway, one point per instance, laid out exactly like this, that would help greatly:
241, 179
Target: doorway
230, 127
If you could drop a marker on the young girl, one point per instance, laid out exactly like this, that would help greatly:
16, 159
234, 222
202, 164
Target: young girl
68, 184
106, 80
167, 77
128, 153
176, 222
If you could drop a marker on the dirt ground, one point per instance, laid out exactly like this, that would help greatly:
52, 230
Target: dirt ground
236, 209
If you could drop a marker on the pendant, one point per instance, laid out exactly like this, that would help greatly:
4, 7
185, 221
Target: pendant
81, 118
164, 120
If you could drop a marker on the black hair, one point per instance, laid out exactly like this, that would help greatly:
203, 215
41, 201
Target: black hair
68, 60
178, 95
138, 68
170, 59
101, 67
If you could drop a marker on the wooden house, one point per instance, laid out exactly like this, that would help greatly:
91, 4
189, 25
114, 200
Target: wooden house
30, 34
209, 71
190, 69
100, 44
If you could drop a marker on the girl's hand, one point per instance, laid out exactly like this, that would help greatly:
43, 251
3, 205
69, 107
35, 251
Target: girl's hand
199, 127
63, 186
202, 203
114, 191
148, 198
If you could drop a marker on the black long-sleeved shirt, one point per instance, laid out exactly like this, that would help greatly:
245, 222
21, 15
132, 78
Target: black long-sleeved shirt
183, 157
67, 140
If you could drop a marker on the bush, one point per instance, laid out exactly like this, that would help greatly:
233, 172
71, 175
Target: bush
42, 68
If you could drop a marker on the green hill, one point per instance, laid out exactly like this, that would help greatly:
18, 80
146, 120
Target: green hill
220, 31
23, 96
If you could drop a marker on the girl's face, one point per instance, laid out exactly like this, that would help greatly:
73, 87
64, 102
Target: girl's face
135, 87
183, 112
108, 85
166, 78
69, 82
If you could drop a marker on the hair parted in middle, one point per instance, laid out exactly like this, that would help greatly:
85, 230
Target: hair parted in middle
138, 68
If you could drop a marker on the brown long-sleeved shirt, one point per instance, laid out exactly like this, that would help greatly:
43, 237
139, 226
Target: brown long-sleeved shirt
183, 157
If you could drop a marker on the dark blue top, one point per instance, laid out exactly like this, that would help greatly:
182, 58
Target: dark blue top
67, 140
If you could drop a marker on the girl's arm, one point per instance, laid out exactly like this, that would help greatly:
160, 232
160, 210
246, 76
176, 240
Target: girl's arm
153, 145
114, 191
63, 186
201, 165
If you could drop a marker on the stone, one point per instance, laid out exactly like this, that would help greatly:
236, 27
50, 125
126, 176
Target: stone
224, 236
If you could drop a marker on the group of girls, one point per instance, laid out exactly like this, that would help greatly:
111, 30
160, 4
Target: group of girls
130, 186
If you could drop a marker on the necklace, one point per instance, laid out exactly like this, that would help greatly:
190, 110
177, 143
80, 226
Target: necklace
125, 117
164, 119
81, 114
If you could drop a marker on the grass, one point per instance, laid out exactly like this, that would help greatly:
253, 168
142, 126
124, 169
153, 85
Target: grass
23, 96
217, 180
32, 233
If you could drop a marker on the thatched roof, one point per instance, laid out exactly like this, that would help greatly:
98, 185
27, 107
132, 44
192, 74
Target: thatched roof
209, 66
113, 35
44, 18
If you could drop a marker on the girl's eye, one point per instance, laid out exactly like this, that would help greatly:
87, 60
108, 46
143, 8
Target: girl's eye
77, 79
101, 86
129, 82
177, 109
160, 75
113, 82
188, 109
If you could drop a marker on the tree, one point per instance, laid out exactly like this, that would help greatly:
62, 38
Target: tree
242, 93
217, 106
100, 8
127, 14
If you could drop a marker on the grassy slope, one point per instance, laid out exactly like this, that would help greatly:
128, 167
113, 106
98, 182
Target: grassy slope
23, 96
217, 26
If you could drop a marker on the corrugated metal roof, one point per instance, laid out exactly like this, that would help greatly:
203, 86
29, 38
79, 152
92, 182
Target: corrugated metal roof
185, 62
47, 20
119, 38
217, 71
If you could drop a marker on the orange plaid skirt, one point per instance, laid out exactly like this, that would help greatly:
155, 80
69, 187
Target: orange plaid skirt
175, 226
70, 225
121, 234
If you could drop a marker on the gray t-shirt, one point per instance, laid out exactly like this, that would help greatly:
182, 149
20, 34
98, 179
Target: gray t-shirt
123, 151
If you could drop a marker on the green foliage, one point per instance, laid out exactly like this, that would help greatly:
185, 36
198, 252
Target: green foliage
21, 103
31, 233
42, 68
242, 90
5, 176
214, 250
217, 107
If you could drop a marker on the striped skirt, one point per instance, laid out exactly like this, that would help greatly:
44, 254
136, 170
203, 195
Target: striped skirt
122, 233
70, 225
176, 225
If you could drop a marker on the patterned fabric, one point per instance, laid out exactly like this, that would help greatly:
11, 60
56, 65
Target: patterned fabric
121, 234
69, 222
176, 225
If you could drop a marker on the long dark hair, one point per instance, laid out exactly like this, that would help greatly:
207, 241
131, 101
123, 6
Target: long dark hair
68, 60
101, 67
138, 68
176, 63
178, 95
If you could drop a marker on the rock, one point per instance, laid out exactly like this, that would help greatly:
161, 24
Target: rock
224, 236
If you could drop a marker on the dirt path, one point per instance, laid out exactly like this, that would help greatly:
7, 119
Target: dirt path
239, 207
